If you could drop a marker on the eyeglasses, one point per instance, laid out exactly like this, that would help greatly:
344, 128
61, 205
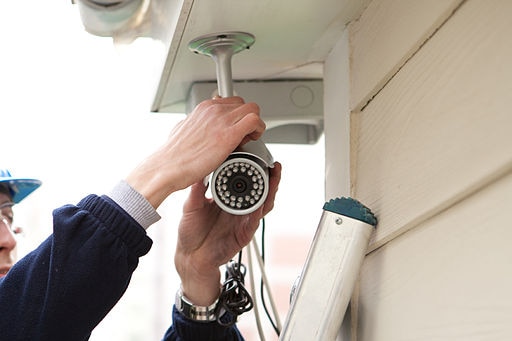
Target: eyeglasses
7, 216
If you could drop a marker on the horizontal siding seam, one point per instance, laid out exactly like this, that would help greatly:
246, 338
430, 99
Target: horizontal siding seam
471, 190
434, 32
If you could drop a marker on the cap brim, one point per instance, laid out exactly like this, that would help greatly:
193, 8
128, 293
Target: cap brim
20, 188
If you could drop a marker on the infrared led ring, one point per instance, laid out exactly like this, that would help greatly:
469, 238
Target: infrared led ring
240, 185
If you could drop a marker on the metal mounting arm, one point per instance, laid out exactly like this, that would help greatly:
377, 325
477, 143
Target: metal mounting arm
221, 47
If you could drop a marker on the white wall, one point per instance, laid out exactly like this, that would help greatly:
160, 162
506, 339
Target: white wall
430, 153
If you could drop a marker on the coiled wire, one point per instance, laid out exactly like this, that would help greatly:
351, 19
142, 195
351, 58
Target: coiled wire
234, 299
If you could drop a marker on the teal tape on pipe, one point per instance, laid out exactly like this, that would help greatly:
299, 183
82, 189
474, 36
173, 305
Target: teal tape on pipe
351, 208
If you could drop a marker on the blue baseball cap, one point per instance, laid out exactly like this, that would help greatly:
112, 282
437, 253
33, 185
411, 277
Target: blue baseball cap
18, 187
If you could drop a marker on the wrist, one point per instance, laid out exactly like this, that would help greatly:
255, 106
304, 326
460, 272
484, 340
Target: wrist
200, 284
155, 183
152, 190
201, 292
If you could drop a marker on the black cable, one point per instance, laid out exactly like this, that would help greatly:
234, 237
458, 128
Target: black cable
272, 322
234, 299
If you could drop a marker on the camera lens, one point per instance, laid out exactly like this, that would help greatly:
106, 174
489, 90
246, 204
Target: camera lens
240, 185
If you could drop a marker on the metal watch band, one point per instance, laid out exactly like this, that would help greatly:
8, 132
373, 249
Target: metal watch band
194, 312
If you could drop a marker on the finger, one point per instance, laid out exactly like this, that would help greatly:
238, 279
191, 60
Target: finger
231, 99
246, 231
205, 105
255, 135
196, 198
239, 109
251, 125
274, 180
227, 100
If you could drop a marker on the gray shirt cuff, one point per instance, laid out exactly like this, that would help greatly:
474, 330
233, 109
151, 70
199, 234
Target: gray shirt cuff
134, 204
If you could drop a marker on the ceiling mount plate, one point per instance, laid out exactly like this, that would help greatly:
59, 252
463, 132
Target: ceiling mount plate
231, 41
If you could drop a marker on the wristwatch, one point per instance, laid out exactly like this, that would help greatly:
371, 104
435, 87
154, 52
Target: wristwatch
195, 312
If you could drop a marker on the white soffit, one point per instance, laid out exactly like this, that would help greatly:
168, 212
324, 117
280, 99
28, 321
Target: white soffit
293, 38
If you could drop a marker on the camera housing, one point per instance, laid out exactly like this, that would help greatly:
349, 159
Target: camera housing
241, 184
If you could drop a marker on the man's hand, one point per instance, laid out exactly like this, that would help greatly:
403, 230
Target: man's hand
209, 237
196, 146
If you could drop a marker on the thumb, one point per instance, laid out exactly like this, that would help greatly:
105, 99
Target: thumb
196, 198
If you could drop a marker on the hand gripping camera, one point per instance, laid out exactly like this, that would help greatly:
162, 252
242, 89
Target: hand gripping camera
240, 185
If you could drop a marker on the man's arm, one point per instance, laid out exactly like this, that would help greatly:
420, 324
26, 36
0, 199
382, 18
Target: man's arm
65, 287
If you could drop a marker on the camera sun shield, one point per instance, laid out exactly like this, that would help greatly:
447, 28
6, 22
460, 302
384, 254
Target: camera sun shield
240, 184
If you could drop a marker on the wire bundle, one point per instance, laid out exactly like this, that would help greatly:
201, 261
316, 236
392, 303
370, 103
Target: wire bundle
234, 299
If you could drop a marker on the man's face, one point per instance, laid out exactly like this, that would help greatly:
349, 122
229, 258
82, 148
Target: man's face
7, 239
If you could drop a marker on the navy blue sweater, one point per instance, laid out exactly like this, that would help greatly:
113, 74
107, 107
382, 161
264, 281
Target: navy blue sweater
65, 287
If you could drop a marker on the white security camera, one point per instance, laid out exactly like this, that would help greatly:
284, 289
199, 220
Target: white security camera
240, 185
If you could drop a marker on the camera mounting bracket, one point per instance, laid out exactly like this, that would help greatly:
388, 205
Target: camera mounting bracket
221, 47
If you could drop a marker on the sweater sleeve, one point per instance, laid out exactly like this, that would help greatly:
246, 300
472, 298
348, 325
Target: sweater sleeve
183, 329
65, 287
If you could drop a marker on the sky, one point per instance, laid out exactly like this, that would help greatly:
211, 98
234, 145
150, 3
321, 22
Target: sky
75, 113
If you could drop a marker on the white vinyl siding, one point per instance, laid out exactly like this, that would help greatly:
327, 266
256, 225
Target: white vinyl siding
428, 96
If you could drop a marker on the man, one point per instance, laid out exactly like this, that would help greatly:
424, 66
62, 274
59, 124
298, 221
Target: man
12, 191
65, 287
